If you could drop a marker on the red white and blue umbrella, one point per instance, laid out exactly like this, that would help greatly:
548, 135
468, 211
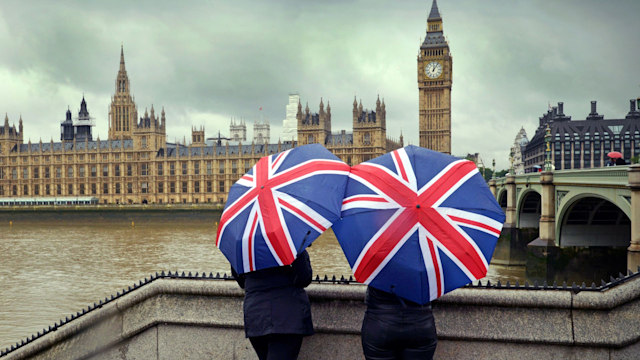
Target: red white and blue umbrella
279, 207
418, 223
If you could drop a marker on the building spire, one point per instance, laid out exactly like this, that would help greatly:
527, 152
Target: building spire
122, 58
434, 14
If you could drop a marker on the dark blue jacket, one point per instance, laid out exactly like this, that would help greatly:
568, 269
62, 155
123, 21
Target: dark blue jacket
275, 301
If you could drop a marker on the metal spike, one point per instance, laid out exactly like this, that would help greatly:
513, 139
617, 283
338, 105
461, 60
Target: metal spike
190, 274
564, 284
508, 283
12, 347
611, 279
499, 284
488, 283
342, 278
544, 285
204, 275
326, 278
629, 272
183, 274
479, 283
350, 278
162, 273
517, 284
333, 278
555, 284
602, 283
593, 285
170, 273
317, 277
535, 284
33, 337
196, 275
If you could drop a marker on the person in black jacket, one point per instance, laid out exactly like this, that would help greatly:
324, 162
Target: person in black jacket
277, 312
395, 328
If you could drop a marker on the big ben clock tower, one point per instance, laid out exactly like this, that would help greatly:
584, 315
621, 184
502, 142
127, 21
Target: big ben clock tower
434, 84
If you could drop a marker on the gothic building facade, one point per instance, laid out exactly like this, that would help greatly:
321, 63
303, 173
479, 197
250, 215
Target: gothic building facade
136, 163
435, 69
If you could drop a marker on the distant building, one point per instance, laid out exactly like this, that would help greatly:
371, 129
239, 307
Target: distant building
261, 131
435, 76
238, 130
80, 130
367, 140
517, 151
290, 123
583, 144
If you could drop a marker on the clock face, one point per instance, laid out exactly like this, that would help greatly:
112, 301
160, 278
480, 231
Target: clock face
433, 70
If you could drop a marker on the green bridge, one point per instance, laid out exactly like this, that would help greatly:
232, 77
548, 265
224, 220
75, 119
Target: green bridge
587, 207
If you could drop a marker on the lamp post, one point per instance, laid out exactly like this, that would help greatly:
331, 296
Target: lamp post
493, 175
547, 141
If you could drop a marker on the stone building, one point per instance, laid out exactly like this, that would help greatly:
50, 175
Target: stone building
517, 151
136, 164
435, 76
583, 144
367, 140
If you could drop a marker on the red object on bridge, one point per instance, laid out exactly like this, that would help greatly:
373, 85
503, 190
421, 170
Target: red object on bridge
614, 155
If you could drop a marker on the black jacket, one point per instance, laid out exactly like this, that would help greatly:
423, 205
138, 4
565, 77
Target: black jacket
275, 301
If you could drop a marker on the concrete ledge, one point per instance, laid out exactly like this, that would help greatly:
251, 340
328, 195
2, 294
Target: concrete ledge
190, 318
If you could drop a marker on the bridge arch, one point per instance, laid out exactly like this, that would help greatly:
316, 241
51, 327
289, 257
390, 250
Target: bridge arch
593, 220
529, 209
502, 199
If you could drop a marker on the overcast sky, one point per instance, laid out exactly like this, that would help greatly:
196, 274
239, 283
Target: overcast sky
209, 61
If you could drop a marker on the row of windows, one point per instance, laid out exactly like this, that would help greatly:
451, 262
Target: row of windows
119, 188
144, 170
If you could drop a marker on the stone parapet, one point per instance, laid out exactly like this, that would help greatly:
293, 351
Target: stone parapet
201, 318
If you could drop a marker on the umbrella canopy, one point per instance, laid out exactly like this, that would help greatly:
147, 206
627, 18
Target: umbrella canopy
418, 223
614, 154
279, 207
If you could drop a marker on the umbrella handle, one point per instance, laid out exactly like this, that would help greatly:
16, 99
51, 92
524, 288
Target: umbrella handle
299, 250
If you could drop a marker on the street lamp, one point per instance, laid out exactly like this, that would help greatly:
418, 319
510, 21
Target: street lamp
547, 141
494, 169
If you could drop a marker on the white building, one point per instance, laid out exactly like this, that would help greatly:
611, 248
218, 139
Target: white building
290, 123
517, 151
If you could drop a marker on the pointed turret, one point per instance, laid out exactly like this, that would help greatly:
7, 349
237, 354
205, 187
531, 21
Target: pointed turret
122, 68
435, 13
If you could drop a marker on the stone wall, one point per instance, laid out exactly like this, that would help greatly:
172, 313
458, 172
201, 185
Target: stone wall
198, 318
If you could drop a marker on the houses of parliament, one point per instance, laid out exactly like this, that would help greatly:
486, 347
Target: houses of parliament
136, 165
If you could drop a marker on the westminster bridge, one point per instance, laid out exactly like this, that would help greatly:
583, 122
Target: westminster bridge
583, 208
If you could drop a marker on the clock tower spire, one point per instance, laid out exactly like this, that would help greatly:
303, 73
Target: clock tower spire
435, 66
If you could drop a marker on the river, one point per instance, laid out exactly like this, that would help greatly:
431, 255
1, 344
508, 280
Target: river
53, 264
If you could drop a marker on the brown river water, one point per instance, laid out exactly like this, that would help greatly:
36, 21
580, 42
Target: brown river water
53, 264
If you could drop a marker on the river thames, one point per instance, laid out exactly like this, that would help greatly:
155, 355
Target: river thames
53, 264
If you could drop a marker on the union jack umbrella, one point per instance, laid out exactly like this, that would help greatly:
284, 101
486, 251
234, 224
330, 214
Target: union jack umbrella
279, 207
418, 223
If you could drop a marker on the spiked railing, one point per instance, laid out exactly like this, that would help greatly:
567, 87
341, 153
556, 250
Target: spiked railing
604, 285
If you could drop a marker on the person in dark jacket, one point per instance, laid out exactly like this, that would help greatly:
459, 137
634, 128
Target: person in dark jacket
395, 328
277, 312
